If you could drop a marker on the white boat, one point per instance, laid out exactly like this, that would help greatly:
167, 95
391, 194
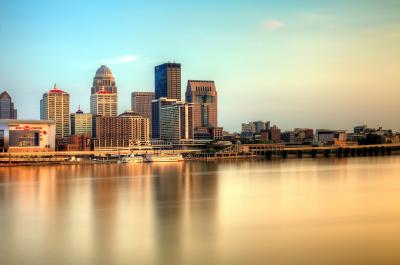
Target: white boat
163, 158
132, 159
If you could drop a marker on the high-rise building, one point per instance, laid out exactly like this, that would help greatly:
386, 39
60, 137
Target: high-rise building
168, 81
155, 114
104, 96
176, 122
203, 95
55, 106
141, 104
125, 131
7, 110
82, 124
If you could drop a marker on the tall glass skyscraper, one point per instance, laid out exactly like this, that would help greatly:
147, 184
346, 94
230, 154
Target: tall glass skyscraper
168, 81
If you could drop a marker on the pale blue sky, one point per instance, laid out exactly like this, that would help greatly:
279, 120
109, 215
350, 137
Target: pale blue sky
297, 63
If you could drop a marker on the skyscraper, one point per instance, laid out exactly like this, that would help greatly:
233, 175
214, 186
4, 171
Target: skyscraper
168, 81
104, 97
55, 106
7, 110
203, 95
141, 104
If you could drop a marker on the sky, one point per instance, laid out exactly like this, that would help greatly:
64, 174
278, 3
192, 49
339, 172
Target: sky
315, 63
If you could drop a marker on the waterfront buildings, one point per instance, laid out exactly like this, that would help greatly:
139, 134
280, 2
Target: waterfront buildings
104, 97
176, 123
7, 110
125, 131
82, 123
55, 106
141, 103
330, 137
168, 81
27, 135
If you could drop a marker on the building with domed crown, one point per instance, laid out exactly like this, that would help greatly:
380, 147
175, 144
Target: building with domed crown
104, 96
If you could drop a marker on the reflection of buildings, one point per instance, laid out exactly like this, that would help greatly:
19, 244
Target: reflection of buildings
185, 208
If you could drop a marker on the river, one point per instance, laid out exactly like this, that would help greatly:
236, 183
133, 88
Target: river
322, 211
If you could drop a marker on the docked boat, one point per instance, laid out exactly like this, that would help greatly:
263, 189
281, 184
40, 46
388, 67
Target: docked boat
132, 159
163, 158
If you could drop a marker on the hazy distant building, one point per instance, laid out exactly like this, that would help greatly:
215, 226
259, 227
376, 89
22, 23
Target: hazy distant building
141, 103
288, 137
155, 114
7, 110
125, 131
55, 106
275, 134
255, 127
304, 135
203, 95
82, 124
330, 137
104, 97
176, 122
168, 81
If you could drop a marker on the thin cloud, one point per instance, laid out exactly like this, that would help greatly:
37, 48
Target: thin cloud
273, 24
122, 60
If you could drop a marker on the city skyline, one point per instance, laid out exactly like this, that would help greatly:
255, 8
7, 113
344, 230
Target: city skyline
295, 64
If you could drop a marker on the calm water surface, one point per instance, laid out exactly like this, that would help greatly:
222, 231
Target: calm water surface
286, 212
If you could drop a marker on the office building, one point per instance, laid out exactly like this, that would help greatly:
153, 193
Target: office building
55, 106
27, 135
155, 114
203, 95
176, 123
104, 95
82, 124
7, 110
126, 131
141, 103
168, 81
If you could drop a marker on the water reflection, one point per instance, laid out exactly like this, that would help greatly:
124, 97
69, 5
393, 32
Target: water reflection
282, 212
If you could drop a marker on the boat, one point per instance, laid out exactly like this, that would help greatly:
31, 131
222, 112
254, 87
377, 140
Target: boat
132, 159
163, 158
